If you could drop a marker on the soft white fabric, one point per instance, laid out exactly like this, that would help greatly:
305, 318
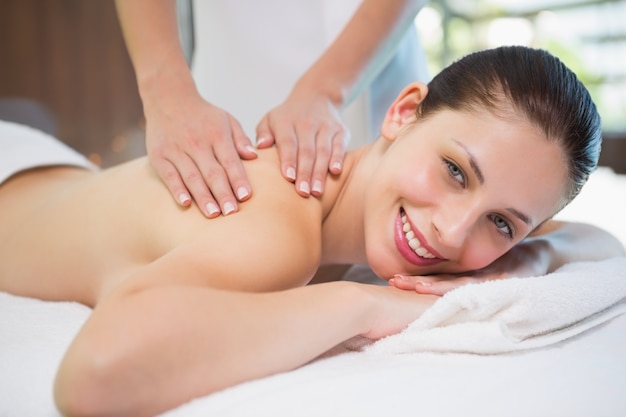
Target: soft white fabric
23, 147
581, 376
602, 202
34, 334
519, 313
577, 369
253, 52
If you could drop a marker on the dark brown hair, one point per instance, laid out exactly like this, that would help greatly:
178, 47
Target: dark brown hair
535, 84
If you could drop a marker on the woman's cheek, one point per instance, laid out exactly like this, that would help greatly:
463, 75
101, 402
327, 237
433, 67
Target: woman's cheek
480, 255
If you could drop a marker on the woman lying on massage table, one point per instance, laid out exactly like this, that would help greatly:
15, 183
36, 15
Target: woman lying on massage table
466, 170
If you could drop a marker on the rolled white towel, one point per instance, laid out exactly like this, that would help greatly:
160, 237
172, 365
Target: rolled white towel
23, 147
517, 313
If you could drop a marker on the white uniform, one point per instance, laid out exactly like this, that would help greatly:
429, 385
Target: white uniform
248, 54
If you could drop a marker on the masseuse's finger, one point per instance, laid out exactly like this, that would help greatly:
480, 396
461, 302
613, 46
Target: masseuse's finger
172, 180
323, 144
244, 148
200, 186
232, 169
231, 162
338, 153
330, 151
306, 154
214, 168
283, 135
264, 137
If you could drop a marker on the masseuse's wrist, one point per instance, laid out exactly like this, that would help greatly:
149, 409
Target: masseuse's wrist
312, 84
165, 86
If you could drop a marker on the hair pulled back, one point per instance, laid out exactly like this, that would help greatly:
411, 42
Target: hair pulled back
533, 83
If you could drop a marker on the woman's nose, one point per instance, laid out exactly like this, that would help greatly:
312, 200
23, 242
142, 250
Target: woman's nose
453, 224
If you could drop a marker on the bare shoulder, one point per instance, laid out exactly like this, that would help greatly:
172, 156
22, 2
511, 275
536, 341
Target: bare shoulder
272, 243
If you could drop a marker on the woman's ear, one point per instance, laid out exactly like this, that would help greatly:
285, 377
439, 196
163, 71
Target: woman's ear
403, 109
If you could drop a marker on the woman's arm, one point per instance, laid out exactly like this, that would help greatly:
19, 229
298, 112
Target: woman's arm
566, 242
144, 351
553, 245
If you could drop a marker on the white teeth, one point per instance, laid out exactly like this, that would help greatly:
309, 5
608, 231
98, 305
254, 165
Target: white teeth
414, 243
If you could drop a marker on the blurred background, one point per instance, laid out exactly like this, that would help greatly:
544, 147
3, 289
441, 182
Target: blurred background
588, 35
64, 66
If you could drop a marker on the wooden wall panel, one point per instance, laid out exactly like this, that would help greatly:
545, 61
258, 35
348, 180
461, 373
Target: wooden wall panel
69, 55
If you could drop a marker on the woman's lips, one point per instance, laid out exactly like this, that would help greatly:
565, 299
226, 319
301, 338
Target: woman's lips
411, 244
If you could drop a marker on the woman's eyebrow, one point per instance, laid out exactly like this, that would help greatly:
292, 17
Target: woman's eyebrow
472, 162
520, 215
481, 178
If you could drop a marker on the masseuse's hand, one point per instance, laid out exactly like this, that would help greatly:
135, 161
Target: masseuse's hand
195, 148
526, 259
310, 137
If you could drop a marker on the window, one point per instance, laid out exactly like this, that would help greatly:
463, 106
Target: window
588, 35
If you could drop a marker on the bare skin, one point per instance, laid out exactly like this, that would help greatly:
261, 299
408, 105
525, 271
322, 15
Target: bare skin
154, 266
184, 307
195, 146
102, 209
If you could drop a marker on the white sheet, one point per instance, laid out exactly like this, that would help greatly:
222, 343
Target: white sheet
581, 376
24, 147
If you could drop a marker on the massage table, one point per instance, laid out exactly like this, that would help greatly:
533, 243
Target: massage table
463, 360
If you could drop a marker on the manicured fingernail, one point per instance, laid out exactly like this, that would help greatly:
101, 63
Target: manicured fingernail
262, 140
242, 193
336, 166
317, 186
212, 208
304, 187
251, 149
184, 198
228, 208
400, 277
424, 283
291, 173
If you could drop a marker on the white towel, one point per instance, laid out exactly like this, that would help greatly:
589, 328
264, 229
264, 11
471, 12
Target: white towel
23, 147
518, 313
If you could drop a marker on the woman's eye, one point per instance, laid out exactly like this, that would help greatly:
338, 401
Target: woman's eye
503, 226
456, 172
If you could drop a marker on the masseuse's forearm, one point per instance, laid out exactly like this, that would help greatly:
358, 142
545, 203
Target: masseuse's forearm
567, 242
150, 31
143, 353
362, 49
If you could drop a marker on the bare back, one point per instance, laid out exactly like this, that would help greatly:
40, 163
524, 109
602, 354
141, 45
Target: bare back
70, 234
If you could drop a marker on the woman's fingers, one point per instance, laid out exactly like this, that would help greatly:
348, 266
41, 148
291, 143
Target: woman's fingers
433, 284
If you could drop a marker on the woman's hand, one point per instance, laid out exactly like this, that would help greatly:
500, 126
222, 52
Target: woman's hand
195, 148
526, 259
310, 137
394, 310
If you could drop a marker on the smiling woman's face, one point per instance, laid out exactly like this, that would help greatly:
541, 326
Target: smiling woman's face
457, 190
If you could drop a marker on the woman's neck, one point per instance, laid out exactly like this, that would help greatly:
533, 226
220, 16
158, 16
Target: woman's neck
343, 205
